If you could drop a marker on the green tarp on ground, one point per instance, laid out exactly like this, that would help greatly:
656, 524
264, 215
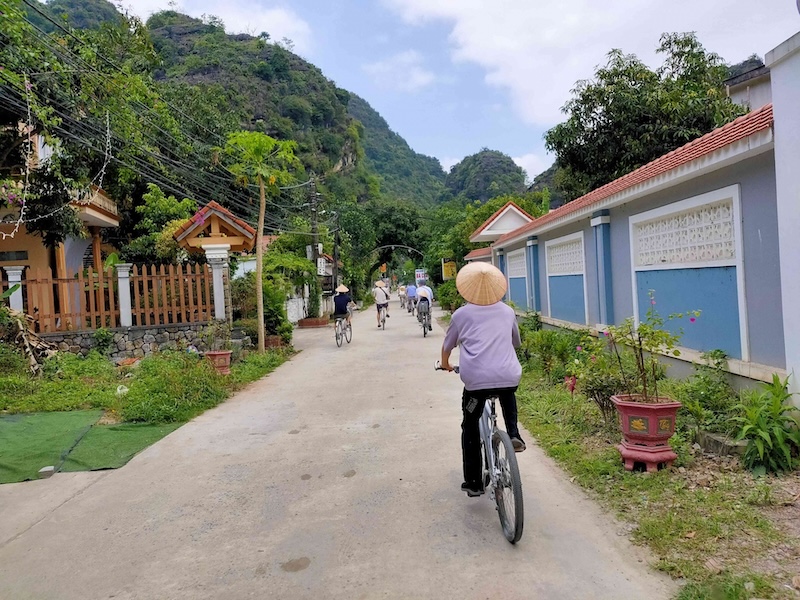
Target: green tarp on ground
111, 446
30, 442
69, 441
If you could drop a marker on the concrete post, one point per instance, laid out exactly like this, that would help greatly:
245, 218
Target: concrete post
217, 257
784, 65
15, 277
601, 227
532, 259
124, 286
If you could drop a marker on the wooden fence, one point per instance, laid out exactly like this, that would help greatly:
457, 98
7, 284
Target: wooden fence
90, 300
171, 295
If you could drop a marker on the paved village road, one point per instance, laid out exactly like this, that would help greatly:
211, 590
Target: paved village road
335, 477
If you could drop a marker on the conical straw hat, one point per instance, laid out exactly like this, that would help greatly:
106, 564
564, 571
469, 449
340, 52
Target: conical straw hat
481, 283
342, 289
380, 283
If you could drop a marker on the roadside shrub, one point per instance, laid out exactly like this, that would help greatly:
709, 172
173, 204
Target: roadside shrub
172, 387
448, 296
249, 327
707, 396
552, 350
103, 338
255, 365
11, 360
771, 430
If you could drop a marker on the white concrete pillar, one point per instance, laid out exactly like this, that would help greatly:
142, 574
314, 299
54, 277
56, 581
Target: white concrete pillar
15, 277
124, 286
217, 257
784, 65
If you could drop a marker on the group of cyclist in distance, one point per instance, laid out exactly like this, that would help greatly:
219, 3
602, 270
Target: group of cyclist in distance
486, 331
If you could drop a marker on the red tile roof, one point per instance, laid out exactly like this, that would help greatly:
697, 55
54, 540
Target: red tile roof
478, 253
734, 131
202, 214
497, 214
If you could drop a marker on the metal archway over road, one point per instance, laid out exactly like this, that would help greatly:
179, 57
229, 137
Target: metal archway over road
393, 246
344, 485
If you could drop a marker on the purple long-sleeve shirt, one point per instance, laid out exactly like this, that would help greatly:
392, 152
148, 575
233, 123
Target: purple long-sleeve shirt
488, 336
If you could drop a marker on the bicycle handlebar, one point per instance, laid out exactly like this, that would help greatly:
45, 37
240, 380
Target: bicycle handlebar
437, 366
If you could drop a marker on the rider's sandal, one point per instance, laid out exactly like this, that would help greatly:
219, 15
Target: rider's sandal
471, 492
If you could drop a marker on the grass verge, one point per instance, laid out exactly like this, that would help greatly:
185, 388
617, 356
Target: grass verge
712, 534
161, 393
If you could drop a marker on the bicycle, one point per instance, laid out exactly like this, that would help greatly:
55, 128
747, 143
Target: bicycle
402, 301
425, 320
383, 317
412, 306
501, 476
342, 330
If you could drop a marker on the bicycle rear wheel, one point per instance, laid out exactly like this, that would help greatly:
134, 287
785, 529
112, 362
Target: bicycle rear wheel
348, 333
508, 494
339, 334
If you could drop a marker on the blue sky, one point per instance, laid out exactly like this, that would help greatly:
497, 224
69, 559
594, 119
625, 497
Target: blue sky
455, 76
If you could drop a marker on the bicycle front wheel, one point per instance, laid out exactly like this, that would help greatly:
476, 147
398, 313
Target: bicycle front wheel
348, 333
508, 494
339, 334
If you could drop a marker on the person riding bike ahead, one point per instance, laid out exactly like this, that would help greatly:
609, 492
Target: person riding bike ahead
343, 304
486, 329
381, 295
411, 295
423, 305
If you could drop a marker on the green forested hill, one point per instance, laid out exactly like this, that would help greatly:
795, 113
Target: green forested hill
403, 172
80, 14
485, 175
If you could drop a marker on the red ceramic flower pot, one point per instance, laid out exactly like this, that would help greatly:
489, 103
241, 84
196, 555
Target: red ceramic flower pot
646, 429
221, 359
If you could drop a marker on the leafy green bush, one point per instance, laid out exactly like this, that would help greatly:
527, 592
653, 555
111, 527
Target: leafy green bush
172, 387
249, 327
255, 365
448, 296
707, 396
103, 338
68, 382
771, 431
11, 361
552, 351
599, 374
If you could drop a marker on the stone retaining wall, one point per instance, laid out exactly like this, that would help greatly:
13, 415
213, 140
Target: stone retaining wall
132, 342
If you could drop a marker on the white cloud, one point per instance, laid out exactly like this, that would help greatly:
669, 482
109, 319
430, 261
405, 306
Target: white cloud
404, 72
533, 164
239, 16
537, 50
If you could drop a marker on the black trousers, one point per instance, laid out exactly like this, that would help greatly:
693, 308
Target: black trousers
472, 403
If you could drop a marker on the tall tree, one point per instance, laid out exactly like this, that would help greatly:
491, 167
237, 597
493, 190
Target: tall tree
265, 161
629, 115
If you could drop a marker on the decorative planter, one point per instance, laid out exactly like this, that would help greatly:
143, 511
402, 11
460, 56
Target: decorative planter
221, 359
646, 429
310, 322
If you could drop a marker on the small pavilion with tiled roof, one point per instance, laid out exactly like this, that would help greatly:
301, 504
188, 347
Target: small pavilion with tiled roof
215, 225
216, 231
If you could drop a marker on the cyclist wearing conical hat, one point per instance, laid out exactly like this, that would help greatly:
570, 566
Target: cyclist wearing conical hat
343, 303
486, 331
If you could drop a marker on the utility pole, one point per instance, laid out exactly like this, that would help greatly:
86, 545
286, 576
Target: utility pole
336, 242
314, 233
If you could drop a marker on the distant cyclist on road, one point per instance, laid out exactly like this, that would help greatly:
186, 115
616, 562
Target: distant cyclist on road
381, 295
343, 304
486, 329
411, 296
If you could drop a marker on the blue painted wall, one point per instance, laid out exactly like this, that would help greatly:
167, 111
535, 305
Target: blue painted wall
711, 290
566, 298
517, 288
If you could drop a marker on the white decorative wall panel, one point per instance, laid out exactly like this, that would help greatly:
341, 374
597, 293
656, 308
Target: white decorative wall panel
701, 234
516, 264
565, 258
